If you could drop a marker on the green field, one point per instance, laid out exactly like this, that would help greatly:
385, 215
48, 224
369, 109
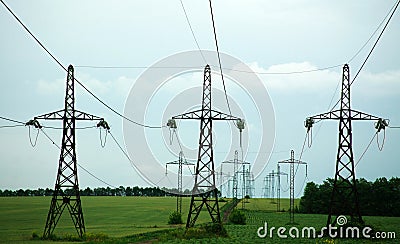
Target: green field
122, 217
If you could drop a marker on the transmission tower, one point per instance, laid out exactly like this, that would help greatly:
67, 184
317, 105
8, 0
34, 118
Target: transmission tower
244, 174
278, 192
344, 197
204, 190
179, 192
267, 182
272, 176
292, 162
235, 176
66, 190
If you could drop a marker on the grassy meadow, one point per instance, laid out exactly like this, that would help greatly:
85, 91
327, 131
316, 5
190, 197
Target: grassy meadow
123, 218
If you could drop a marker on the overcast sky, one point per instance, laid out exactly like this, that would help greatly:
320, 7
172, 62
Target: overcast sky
268, 36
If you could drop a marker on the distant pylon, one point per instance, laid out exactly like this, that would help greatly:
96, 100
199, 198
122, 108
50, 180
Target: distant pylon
292, 162
179, 192
204, 190
66, 191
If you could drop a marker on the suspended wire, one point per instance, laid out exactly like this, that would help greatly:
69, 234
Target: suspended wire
366, 149
10, 126
376, 42
12, 120
394, 127
302, 187
122, 150
81, 84
373, 34
94, 176
101, 140
48, 137
77, 128
199, 67
87, 171
180, 147
219, 58
33, 144
191, 30
285, 73
393, 10
137, 67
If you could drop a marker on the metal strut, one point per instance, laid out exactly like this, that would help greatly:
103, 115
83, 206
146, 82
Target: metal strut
344, 197
204, 191
66, 190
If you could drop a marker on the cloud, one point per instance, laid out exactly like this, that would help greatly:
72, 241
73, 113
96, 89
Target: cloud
46, 87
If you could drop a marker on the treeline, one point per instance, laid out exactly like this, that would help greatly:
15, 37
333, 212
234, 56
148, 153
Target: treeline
100, 191
378, 198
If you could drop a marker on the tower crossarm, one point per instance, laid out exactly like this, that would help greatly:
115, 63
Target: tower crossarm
197, 114
345, 114
57, 115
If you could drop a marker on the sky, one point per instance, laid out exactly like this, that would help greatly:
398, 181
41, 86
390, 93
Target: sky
266, 36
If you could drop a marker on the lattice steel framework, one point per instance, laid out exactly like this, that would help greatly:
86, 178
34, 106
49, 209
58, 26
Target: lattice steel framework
344, 197
278, 190
179, 192
292, 162
204, 191
66, 190
235, 163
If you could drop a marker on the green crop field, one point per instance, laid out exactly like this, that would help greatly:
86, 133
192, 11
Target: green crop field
120, 218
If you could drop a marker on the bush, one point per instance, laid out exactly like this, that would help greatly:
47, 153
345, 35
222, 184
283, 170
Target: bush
35, 236
237, 217
175, 218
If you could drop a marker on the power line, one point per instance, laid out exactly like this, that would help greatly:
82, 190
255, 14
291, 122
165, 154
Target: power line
12, 120
366, 149
286, 73
373, 34
10, 126
83, 86
219, 58
372, 49
376, 42
191, 29
137, 67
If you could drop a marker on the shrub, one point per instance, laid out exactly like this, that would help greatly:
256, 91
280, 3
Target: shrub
175, 218
237, 217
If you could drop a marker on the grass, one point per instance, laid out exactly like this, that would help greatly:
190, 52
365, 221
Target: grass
144, 220
113, 216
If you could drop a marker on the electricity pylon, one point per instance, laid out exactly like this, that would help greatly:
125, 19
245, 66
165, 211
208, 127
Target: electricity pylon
179, 192
292, 162
344, 197
244, 181
235, 176
66, 190
278, 191
204, 190
267, 182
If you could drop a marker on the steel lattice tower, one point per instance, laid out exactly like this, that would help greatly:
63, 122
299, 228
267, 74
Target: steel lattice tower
344, 197
292, 162
66, 190
235, 163
278, 191
179, 193
204, 191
